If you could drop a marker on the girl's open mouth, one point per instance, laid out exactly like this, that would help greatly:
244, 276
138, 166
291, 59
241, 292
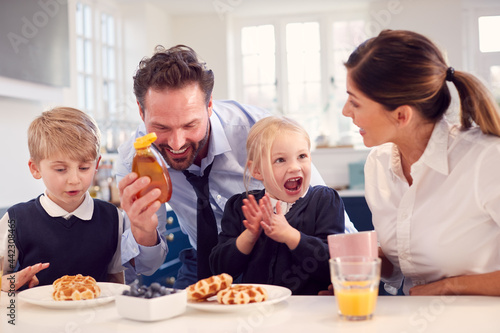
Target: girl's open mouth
293, 185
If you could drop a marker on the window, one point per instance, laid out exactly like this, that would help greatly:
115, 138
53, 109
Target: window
295, 67
482, 49
258, 63
489, 46
489, 26
346, 35
84, 57
303, 55
108, 58
99, 84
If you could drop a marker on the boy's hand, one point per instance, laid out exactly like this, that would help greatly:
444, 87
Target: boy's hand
140, 211
276, 226
27, 275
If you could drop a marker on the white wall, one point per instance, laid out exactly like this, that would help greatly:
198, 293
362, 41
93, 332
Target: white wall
144, 27
206, 34
16, 182
439, 20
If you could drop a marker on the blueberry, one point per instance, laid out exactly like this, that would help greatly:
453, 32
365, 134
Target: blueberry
154, 290
155, 286
134, 292
148, 294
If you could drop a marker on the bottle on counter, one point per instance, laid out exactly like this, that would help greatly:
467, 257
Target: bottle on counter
146, 164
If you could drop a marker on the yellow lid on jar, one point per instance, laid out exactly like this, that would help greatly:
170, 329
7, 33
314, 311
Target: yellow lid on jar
145, 141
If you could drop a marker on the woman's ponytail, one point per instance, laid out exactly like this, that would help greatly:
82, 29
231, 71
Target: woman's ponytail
477, 104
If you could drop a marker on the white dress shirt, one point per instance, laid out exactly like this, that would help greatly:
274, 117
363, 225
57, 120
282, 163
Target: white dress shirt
447, 223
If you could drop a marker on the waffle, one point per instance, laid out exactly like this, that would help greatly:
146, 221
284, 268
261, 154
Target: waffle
208, 287
75, 288
242, 294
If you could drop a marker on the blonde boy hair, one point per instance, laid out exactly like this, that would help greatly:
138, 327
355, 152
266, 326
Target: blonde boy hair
261, 138
66, 131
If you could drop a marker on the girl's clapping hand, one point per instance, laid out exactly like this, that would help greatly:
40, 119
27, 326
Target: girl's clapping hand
247, 239
253, 216
276, 226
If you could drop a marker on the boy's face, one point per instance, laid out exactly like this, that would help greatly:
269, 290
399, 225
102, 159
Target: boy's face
66, 180
290, 166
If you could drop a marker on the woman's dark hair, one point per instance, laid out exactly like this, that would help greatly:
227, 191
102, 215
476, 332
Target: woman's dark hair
401, 67
174, 69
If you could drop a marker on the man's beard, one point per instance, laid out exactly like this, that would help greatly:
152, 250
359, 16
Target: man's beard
185, 162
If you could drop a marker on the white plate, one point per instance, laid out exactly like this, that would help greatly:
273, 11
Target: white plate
275, 294
43, 296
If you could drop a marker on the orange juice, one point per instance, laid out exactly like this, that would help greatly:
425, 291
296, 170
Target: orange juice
356, 302
145, 164
355, 283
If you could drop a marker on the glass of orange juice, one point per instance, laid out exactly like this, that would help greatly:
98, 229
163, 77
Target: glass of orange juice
355, 283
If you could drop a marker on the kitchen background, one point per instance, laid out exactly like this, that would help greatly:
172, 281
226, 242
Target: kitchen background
285, 55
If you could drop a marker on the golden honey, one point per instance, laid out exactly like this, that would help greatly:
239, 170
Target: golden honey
146, 164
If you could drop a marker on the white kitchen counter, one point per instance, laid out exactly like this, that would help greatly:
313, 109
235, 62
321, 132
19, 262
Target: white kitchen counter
304, 314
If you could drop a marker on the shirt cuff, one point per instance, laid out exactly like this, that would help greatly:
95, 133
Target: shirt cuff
394, 282
390, 289
147, 259
349, 226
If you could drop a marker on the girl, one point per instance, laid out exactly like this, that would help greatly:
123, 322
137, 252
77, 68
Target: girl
278, 235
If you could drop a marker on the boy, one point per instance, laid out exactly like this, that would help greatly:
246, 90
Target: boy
63, 231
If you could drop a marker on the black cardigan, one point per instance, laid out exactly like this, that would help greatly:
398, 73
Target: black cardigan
304, 270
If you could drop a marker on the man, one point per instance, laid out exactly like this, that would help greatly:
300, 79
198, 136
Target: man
196, 134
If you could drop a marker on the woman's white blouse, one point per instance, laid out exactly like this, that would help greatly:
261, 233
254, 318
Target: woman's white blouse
447, 223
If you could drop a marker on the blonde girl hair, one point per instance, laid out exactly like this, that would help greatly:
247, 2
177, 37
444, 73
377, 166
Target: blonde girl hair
66, 131
260, 141
400, 67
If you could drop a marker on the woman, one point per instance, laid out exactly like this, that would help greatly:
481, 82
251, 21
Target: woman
433, 188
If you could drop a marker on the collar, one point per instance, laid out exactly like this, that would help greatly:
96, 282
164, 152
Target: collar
435, 155
83, 212
285, 206
436, 152
218, 143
